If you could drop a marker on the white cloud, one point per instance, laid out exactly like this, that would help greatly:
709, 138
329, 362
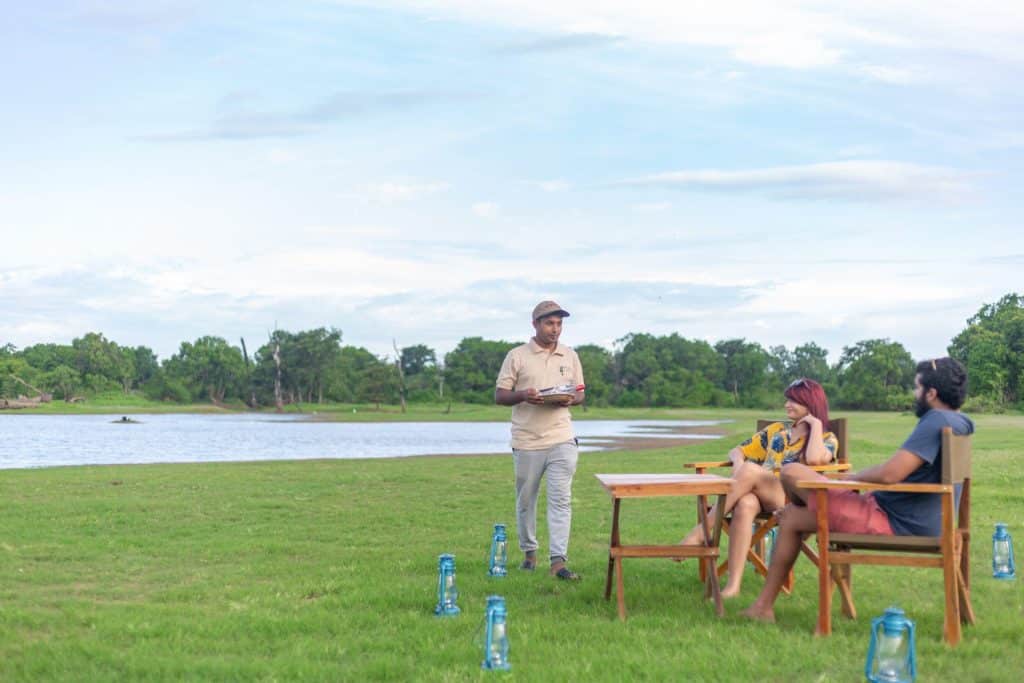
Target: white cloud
575, 40
862, 151
394, 192
281, 156
652, 207
852, 180
376, 231
486, 209
890, 74
553, 185
1004, 139
786, 49
786, 33
32, 331
854, 291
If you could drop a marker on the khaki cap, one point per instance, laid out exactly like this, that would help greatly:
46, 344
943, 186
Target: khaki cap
546, 308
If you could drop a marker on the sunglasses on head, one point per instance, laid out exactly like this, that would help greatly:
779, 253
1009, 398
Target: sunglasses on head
797, 383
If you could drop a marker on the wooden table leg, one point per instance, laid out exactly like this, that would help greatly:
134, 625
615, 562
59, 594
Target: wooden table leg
621, 593
716, 536
614, 543
824, 625
707, 565
701, 514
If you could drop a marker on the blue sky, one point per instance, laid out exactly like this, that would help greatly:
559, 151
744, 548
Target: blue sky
426, 171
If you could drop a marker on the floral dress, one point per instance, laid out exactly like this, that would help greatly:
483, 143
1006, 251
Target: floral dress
775, 446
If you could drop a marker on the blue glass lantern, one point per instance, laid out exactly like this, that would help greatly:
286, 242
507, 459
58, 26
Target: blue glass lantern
891, 654
1002, 554
447, 591
496, 635
769, 543
499, 552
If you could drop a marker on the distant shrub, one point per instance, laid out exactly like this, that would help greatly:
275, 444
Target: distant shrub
163, 388
985, 403
899, 400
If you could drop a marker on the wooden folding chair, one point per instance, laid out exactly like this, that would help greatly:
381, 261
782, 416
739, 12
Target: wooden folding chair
949, 552
766, 520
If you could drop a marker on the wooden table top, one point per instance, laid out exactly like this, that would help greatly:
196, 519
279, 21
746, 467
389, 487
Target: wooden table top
648, 485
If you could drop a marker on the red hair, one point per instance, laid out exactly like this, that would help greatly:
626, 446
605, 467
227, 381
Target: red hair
810, 395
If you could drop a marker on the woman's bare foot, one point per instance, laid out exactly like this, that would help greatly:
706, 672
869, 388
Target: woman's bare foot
758, 614
692, 538
730, 592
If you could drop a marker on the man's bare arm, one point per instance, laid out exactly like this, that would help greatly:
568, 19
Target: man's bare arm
892, 471
509, 397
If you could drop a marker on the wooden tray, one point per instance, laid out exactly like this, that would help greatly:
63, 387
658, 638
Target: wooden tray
556, 398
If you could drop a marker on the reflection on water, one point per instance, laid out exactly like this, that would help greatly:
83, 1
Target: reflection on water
49, 440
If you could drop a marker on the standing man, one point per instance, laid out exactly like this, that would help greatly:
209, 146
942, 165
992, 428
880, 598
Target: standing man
940, 387
542, 436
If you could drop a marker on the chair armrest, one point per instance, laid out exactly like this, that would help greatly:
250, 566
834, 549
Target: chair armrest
708, 464
852, 484
832, 467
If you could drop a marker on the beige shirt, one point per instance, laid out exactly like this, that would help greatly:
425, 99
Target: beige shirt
536, 427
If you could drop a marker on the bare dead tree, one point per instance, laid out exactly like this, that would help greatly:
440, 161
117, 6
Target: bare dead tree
21, 381
278, 401
248, 375
44, 397
401, 374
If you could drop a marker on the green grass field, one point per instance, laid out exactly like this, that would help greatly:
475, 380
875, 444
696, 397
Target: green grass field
326, 571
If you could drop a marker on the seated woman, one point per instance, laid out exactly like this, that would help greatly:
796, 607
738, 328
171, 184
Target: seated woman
757, 461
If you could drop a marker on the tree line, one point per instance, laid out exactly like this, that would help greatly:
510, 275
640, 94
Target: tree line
314, 366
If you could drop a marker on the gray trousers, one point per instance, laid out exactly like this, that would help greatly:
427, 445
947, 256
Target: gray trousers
559, 463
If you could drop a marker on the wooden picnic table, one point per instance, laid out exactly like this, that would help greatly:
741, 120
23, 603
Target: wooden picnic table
621, 486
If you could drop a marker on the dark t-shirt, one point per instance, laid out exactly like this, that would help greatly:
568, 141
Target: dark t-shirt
920, 514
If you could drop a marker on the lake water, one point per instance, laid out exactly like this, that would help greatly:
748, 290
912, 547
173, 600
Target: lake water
52, 440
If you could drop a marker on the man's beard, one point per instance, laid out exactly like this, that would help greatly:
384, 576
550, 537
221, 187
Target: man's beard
921, 406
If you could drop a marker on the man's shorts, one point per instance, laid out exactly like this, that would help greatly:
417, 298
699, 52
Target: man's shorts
850, 512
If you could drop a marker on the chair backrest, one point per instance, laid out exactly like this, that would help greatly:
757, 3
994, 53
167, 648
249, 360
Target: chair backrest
956, 457
837, 426
956, 470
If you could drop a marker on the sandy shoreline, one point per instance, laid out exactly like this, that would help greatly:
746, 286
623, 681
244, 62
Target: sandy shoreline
621, 443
